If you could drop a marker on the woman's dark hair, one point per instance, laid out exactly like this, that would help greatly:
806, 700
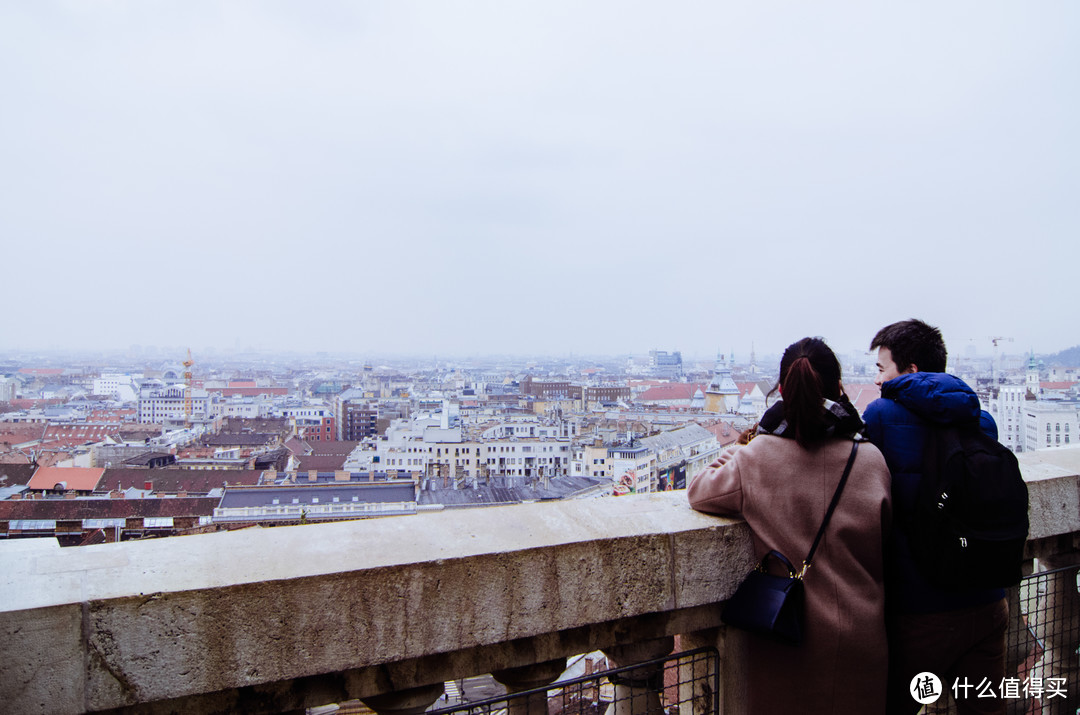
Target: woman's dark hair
809, 373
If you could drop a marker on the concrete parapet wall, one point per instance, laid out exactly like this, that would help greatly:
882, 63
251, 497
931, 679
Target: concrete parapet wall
275, 619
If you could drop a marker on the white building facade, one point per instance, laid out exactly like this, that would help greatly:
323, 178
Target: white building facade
168, 404
1051, 424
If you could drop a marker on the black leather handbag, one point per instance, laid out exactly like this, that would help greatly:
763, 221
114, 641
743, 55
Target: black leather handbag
774, 605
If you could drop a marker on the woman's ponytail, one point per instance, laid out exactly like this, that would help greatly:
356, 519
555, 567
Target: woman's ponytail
809, 373
803, 399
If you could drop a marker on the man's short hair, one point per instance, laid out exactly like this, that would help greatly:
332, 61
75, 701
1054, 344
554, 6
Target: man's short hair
913, 342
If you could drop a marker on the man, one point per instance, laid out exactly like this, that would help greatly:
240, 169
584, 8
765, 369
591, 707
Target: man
957, 635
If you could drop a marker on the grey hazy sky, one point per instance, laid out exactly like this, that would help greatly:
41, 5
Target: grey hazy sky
537, 177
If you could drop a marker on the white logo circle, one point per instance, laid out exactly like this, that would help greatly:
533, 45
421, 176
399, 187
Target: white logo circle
925, 688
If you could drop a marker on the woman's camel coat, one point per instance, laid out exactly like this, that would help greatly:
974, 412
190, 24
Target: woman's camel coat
783, 491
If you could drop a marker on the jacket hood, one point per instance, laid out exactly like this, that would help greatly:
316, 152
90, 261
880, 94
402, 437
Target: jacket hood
934, 396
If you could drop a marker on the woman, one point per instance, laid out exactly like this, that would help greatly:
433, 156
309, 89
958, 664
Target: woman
781, 483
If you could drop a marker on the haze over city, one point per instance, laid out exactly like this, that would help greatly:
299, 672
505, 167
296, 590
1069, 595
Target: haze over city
537, 178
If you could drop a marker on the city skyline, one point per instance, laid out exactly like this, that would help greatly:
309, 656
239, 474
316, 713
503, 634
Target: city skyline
471, 179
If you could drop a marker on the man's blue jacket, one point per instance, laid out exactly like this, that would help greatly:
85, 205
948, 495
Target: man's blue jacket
896, 424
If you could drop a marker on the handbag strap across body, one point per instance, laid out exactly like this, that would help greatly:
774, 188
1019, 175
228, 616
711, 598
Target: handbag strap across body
832, 507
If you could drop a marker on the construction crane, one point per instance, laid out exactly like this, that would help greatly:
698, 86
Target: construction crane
995, 365
187, 388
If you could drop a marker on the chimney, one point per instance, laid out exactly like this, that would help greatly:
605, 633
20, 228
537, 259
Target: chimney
313, 475
70, 494
181, 493
116, 494
340, 475
148, 486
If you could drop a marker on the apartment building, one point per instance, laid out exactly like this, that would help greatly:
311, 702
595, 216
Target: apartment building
168, 404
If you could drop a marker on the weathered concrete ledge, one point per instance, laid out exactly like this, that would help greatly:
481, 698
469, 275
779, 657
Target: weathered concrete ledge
268, 620
116, 625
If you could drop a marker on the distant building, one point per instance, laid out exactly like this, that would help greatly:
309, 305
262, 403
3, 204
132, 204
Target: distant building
328, 500
313, 422
605, 395
358, 421
168, 404
632, 468
120, 387
1007, 404
1051, 424
673, 394
680, 455
665, 364
7, 389
722, 395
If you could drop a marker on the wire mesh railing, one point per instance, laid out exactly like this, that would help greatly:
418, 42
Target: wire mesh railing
1042, 674
677, 684
1042, 671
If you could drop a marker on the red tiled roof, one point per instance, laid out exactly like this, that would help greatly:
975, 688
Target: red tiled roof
343, 448
28, 404
321, 462
116, 415
19, 432
725, 434
1057, 385
41, 371
72, 509
171, 481
12, 474
77, 478
671, 391
133, 431
297, 446
71, 435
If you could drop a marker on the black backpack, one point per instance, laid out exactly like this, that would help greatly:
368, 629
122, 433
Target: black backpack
971, 515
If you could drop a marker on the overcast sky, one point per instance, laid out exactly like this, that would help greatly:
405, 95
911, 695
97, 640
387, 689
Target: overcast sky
537, 177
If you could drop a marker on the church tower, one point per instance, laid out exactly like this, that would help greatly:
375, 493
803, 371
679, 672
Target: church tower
1032, 380
722, 395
